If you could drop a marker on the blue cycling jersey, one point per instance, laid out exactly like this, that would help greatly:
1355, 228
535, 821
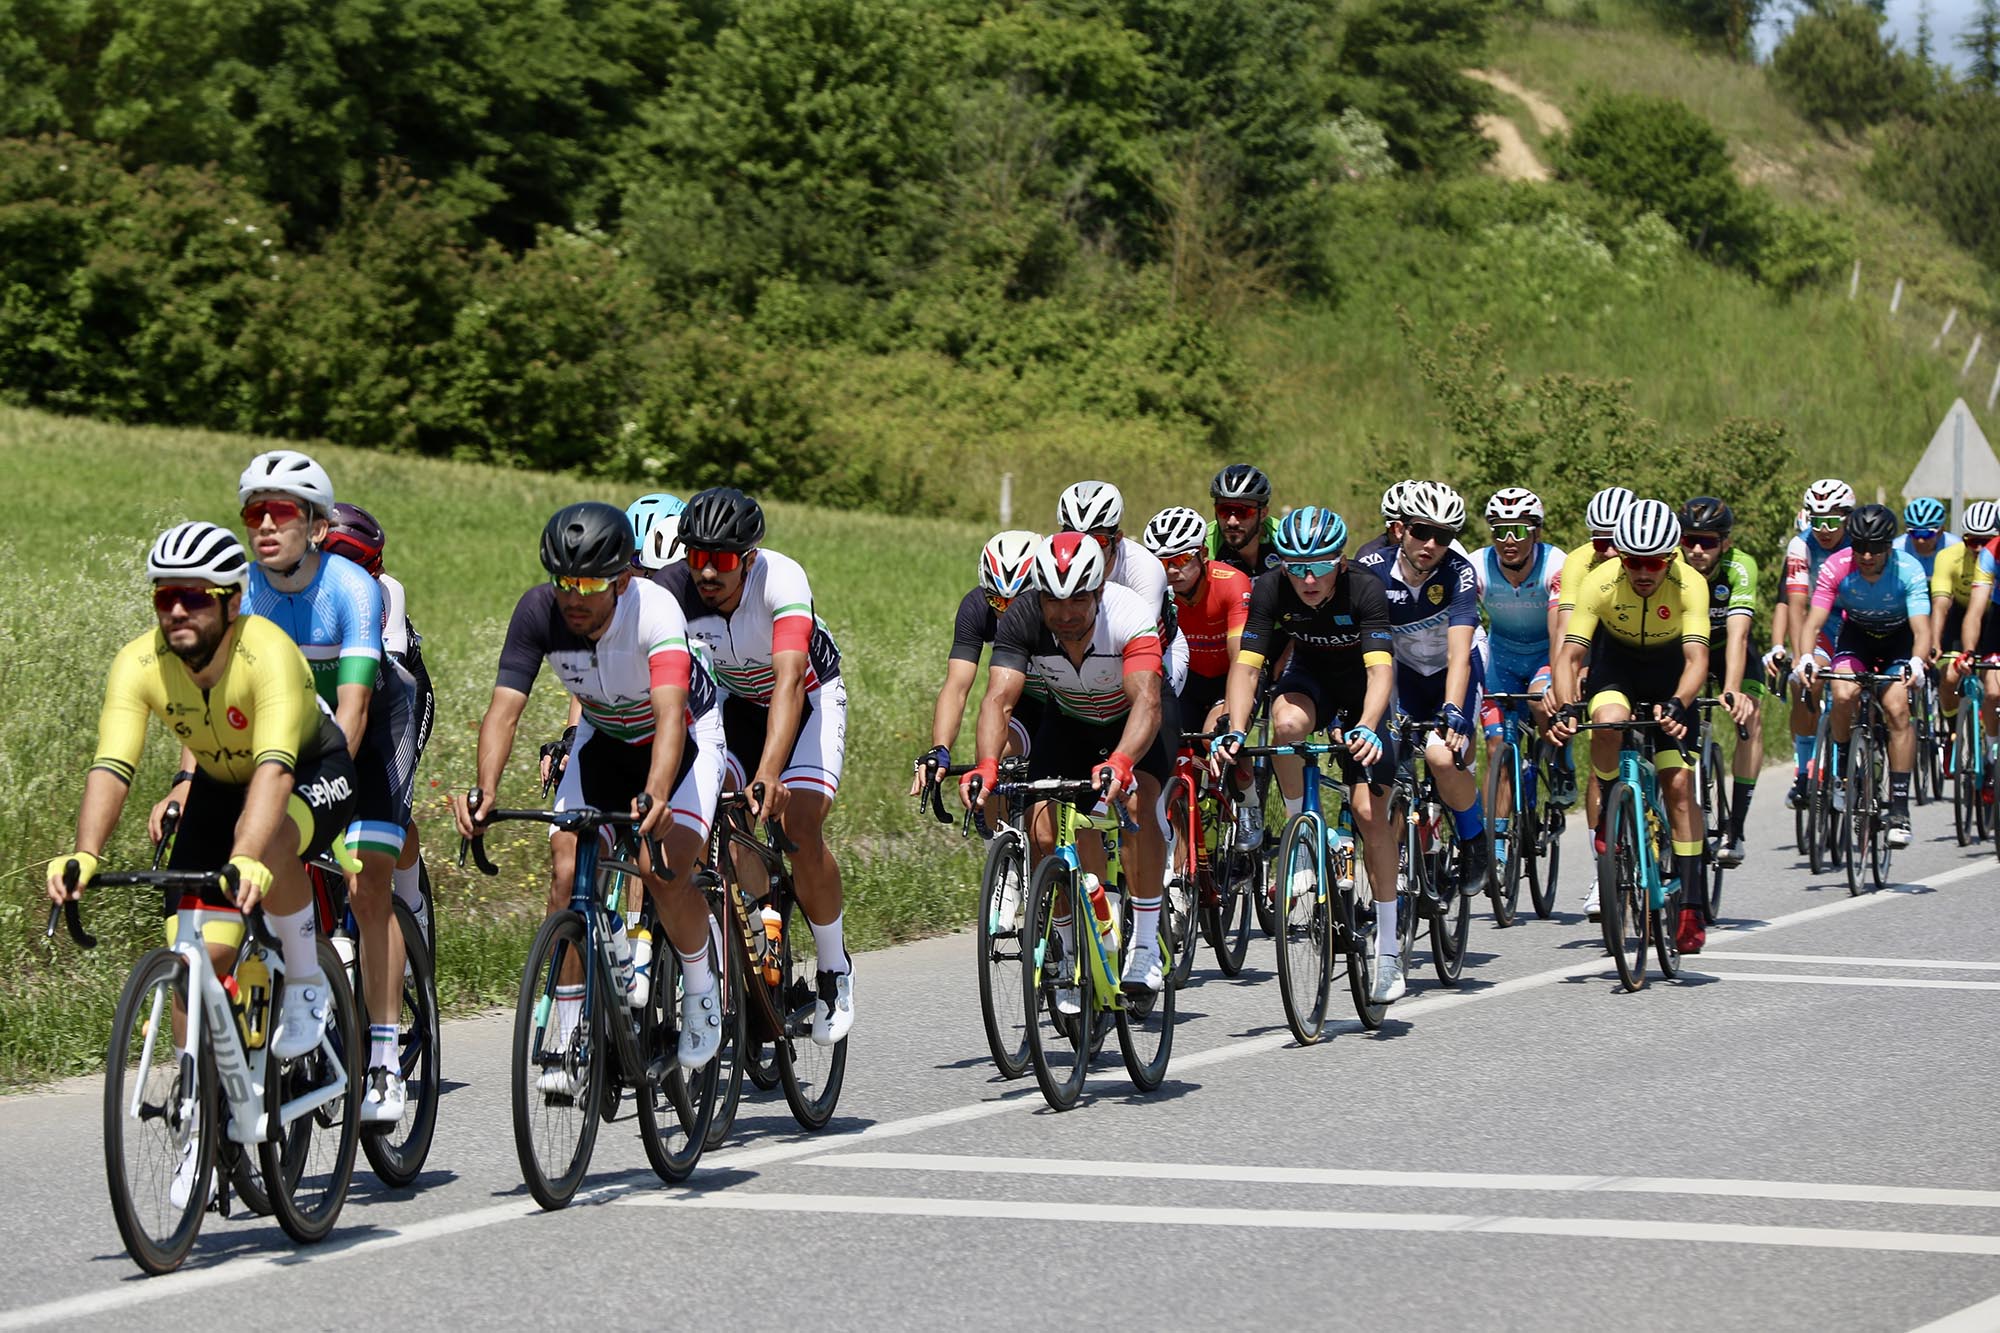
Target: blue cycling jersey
1517, 618
1888, 602
336, 620
1929, 562
1421, 617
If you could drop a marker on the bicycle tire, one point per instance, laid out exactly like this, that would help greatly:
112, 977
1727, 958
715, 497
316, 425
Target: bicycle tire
1448, 911
1059, 1046
1825, 828
1880, 853
1716, 828
397, 1153
1860, 808
810, 1074
571, 1120
675, 1107
1545, 867
1622, 900
239, 1164
429, 901
1145, 1021
735, 1024
1505, 846
999, 945
1964, 784
1664, 921
157, 1235
289, 1151
1240, 875
1305, 943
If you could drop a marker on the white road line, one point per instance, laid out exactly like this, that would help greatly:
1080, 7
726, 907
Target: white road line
1111, 1214
384, 1238
1981, 1318
1906, 1195
1810, 979
1842, 960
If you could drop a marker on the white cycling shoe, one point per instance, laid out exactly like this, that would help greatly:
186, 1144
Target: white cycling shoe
1388, 986
834, 1014
302, 1017
556, 1081
701, 1028
1590, 909
182, 1187
1142, 970
385, 1099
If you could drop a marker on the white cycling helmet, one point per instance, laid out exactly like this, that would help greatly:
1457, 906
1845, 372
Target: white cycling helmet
1090, 505
1392, 501
1514, 504
1069, 563
1434, 502
1605, 507
1982, 518
1175, 531
656, 548
1647, 527
287, 472
1829, 495
1007, 564
198, 553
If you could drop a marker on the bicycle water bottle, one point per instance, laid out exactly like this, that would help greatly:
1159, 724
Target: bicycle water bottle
621, 956
642, 960
1103, 915
774, 925
253, 983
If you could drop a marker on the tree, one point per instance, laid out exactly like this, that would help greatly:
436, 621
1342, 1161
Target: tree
1982, 43
1835, 67
1399, 65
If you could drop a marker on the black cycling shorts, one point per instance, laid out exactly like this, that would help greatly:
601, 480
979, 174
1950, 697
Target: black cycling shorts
205, 838
1329, 703
1640, 675
1069, 747
1874, 652
1199, 695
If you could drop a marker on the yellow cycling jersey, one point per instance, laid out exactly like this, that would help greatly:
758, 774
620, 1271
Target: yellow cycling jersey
1956, 571
263, 710
1676, 613
1576, 570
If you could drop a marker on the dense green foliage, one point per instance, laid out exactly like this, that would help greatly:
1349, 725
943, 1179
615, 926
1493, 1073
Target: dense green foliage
1836, 67
1946, 167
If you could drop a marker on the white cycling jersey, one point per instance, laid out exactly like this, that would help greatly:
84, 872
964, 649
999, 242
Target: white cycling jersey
774, 615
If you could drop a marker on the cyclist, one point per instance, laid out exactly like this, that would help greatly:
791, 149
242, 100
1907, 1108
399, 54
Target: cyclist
1006, 570
650, 726
1095, 649
1641, 621
785, 714
1433, 598
1339, 675
1241, 535
656, 521
1923, 533
1517, 576
1390, 538
1707, 544
1211, 603
1827, 505
354, 533
1601, 517
1951, 593
1980, 629
1884, 602
333, 612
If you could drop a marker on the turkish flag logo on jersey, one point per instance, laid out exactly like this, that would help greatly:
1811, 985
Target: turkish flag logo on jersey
236, 718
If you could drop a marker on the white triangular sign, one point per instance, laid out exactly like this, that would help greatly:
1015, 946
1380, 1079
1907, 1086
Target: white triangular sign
1933, 475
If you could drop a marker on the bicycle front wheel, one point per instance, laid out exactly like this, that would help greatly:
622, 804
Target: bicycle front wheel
160, 1135
397, 1151
1450, 911
1860, 824
1145, 1021
1305, 928
558, 1062
1545, 863
1715, 799
308, 1160
1239, 878
1181, 903
1964, 783
1623, 899
1003, 902
1053, 979
811, 1073
1508, 836
730, 1060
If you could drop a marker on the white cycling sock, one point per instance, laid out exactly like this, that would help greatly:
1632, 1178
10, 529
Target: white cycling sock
1066, 933
569, 1011
1388, 944
829, 945
298, 936
382, 1046
406, 886
1145, 922
697, 977
1294, 804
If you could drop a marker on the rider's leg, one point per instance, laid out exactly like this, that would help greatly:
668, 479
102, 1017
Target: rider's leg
1749, 762
1902, 747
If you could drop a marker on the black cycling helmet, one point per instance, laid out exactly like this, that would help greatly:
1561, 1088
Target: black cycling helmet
1871, 525
722, 518
587, 540
1705, 513
1242, 483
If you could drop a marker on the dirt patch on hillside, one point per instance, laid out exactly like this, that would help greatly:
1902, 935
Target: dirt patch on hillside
1512, 158
1548, 117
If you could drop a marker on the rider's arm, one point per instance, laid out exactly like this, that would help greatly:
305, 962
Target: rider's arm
1565, 671
360, 654
949, 714
1694, 670
669, 740
1375, 700
1142, 720
1735, 653
496, 737
1810, 626
1258, 642
1003, 691
1975, 617
1916, 604
351, 712
1458, 665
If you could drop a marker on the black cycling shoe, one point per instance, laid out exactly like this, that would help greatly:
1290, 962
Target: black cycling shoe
1795, 799
1474, 863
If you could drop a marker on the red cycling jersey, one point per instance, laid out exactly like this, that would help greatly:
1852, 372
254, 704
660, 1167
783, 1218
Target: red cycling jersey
1220, 611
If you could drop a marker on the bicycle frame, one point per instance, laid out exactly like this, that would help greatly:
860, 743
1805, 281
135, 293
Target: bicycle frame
1069, 822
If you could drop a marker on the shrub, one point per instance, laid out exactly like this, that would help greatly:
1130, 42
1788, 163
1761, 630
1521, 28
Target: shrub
1945, 167
1835, 67
1399, 65
1662, 157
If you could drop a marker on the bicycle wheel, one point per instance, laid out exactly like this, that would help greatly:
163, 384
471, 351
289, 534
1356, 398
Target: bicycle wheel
1448, 910
1145, 1021
1059, 1044
811, 1073
1665, 923
1545, 865
730, 1060
1305, 938
1964, 783
556, 1128
155, 1128
1239, 878
1623, 903
397, 1151
1858, 829
676, 1106
1181, 902
430, 911
308, 1160
1003, 895
1506, 838
1715, 800
1825, 829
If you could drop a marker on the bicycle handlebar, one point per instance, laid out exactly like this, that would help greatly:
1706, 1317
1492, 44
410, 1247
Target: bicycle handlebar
569, 821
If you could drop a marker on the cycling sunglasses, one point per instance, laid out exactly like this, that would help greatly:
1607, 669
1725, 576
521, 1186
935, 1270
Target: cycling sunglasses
191, 599
1645, 564
1602, 545
1829, 522
1181, 561
1701, 541
582, 587
1871, 548
1513, 532
1237, 510
722, 562
279, 512
1311, 569
1923, 534
1430, 532
353, 550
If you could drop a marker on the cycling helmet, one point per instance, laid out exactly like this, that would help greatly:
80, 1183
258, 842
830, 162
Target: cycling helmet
655, 521
1705, 513
1311, 533
1982, 519
589, 539
1007, 565
722, 518
354, 533
1647, 527
1089, 505
1392, 501
1175, 531
1514, 504
1434, 502
1829, 496
287, 472
1605, 507
1871, 525
1241, 482
1924, 512
197, 552
1067, 564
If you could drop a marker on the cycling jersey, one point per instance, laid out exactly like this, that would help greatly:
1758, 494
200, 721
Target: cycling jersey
1381, 541
1342, 636
1945, 542
1732, 591
1517, 615
1874, 606
261, 711
1125, 640
1803, 558
399, 636
1577, 567
1422, 616
973, 630
613, 676
1984, 562
336, 620
1267, 549
775, 615
1674, 614
1222, 607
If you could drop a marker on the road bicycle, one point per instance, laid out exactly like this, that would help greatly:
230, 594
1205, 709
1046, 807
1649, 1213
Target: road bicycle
1862, 775
1427, 865
1211, 877
997, 917
1971, 770
574, 1054
1927, 721
1637, 904
178, 1072
1527, 828
1712, 782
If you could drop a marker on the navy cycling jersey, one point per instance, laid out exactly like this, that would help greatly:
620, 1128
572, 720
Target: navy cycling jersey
1421, 617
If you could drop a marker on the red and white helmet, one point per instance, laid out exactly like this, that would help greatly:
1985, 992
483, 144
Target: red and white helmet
1514, 504
1829, 495
1007, 565
1090, 505
1067, 564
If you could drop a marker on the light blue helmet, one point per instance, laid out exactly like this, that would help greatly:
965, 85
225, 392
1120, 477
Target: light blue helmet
1309, 533
655, 521
1926, 511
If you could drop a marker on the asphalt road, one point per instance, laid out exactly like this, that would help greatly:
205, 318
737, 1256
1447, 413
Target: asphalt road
1799, 1134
